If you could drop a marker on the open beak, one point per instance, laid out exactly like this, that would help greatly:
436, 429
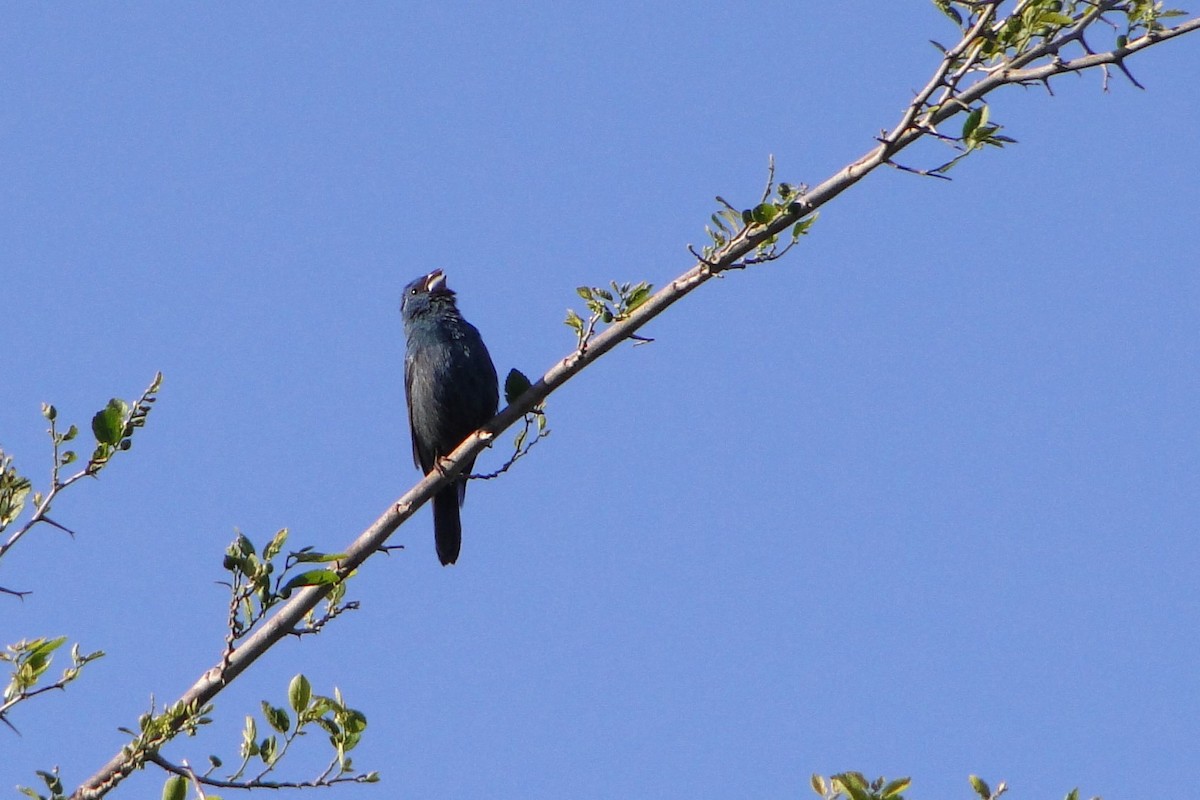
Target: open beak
435, 282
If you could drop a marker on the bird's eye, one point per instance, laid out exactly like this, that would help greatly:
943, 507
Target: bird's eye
413, 291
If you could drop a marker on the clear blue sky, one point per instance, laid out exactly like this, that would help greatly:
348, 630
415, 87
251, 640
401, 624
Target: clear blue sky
920, 499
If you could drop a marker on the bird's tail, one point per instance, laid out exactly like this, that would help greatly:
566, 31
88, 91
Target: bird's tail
447, 529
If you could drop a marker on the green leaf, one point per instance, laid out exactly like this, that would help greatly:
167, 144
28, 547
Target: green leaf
575, 321
310, 556
583, 292
763, 213
53, 782
638, 295
981, 788
949, 10
972, 122
299, 693
354, 721
895, 787
1053, 18
108, 424
275, 546
854, 784
175, 788
818, 784
330, 727
243, 544
515, 385
14, 489
42, 648
1073, 794
802, 227
314, 577
49, 412
249, 738
277, 718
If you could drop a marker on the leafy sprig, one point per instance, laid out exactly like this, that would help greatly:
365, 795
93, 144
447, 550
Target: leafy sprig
257, 584
855, 786
606, 305
113, 427
515, 385
29, 662
305, 712
731, 226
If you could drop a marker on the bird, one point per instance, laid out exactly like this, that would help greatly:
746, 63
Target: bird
451, 389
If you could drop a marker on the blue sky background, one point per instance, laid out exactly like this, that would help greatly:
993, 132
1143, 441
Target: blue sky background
919, 499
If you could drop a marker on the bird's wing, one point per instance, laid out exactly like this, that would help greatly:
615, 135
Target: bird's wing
408, 394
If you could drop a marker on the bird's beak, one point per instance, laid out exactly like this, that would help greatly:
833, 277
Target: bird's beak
435, 281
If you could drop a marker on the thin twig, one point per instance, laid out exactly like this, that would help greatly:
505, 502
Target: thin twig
217, 783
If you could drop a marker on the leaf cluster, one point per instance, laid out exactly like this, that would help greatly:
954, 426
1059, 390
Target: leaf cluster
30, 659
344, 727
855, 786
606, 305
977, 132
54, 785
1034, 21
256, 586
113, 427
731, 226
1004, 44
153, 731
14, 488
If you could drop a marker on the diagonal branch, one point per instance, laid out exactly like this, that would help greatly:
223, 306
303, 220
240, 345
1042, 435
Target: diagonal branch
911, 128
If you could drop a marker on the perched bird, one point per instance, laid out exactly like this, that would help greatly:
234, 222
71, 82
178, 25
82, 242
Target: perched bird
451, 387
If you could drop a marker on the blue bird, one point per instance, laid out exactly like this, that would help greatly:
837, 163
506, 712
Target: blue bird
451, 387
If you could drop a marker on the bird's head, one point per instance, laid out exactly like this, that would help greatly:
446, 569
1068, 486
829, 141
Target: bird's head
424, 294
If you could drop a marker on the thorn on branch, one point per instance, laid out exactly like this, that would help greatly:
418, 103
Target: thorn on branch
52, 523
924, 173
706, 262
1121, 66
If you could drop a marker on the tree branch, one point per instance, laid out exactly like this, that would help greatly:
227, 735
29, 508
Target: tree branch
918, 121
